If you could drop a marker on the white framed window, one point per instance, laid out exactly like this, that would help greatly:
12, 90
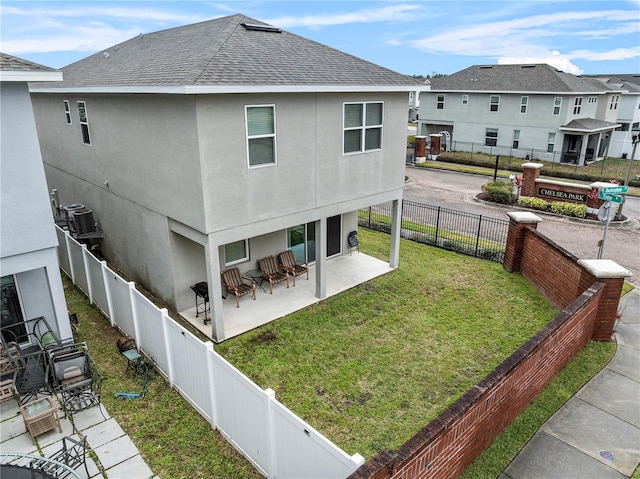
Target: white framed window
261, 135
551, 141
236, 252
593, 99
516, 139
84, 122
440, 102
557, 104
494, 102
491, 137
465, 99
67, 112
524, 102
577, 105
613, 104
362, 127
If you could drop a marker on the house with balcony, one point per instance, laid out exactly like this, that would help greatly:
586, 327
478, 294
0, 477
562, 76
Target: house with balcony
532, 111
215, 144
31, 286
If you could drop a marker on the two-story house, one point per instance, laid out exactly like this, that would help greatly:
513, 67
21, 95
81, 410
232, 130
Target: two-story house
528, 111
31, 286
628, 108
217, 143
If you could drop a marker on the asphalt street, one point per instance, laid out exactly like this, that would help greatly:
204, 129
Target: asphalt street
580, 237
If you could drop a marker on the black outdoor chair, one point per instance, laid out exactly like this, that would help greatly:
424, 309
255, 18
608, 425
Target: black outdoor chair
30, 377
73, 454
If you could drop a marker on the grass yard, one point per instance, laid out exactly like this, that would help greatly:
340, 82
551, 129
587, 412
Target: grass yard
370, 367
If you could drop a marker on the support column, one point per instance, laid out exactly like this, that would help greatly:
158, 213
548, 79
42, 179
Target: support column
530, 173
583, 150
212, 259
421, 149
396, 222
612, 275
321, 258
518, 222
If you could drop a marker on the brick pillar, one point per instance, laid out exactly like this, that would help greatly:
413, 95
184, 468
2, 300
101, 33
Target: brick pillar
519, 221
421, 149
530, 173
612, 275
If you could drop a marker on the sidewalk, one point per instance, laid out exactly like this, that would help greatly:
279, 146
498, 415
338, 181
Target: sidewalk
596, 434
118, 457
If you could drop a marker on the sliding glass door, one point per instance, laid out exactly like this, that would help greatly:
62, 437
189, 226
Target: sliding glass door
301, 239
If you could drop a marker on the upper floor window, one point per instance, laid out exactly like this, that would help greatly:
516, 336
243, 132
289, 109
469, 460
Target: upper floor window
440, 102
236, 252
593, 99
494, 103
491, 137
577, 105
362, 127
524, 101
261, 135
67, 112
557, 103
613, 104
84, 122
465, 99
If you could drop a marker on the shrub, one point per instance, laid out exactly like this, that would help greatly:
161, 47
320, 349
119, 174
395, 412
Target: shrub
534, 203
569, 209
498, 192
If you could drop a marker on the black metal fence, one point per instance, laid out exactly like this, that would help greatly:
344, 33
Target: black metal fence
466, 233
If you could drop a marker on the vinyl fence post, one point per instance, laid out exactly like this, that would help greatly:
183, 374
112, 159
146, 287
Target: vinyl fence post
270, 396
134, 312
87, 273
167, 344
68, 239
211, 370
107, 290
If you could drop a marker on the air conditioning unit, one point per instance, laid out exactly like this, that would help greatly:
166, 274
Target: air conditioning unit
83, 219
68, 214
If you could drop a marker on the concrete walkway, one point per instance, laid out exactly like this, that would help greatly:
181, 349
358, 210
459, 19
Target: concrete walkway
596, 434
118, 457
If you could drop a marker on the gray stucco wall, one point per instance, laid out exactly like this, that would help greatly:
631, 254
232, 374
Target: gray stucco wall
170, 159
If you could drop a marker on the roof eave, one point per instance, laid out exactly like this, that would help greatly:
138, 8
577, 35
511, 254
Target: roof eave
591, 130
527, 92
29, 76
222, 89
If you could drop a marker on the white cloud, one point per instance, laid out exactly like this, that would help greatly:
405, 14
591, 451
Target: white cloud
400, 12
532, 39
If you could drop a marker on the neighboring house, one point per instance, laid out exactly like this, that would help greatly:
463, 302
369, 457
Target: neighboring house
529, 111
31, 285
628, 111
215, 144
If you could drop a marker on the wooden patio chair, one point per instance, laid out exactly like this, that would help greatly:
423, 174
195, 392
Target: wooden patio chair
235, 283
291, 266
272, 272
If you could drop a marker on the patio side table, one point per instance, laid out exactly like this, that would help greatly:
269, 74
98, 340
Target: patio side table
258, 276
133, 357
40, 416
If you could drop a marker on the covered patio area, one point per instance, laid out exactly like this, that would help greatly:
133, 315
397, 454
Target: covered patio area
342, 273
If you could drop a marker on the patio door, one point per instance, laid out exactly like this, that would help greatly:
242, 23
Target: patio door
301, 239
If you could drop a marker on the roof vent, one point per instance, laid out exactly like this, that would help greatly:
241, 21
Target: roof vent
528, 66
260, 28
485, 66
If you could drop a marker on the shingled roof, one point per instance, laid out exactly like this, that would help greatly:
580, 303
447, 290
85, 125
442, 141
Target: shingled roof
534, 78
18, 69
235, 52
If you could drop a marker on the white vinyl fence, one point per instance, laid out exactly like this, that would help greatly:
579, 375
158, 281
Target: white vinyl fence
277, 442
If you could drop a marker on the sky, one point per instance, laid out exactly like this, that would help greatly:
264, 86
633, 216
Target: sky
418, 37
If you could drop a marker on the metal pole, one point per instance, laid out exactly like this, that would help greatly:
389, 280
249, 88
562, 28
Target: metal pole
635, 140
604, 237
495, 171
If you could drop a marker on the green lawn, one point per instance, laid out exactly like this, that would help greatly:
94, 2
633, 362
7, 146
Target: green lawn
370, 367
367, 368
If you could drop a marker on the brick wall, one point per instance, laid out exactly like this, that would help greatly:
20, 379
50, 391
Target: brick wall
447, 445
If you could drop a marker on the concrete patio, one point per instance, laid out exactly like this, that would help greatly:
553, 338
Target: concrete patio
117, 456
342, 273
